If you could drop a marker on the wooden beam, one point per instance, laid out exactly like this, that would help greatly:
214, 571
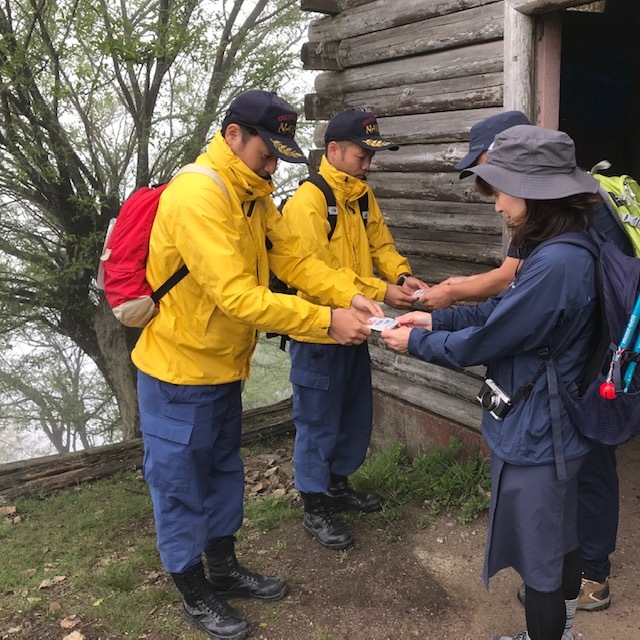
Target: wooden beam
330, 7
456, 63
428, 186
439, 402
531, 7
421, 157
382, 14
464, 218
321, 55
440, 95
519, 72
484, 249
446, 32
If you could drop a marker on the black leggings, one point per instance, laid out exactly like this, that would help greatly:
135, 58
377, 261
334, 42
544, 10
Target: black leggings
545, 611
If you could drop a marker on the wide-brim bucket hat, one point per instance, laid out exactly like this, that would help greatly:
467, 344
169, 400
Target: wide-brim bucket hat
534, 163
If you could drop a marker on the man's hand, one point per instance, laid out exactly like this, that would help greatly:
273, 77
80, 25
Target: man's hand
366, 308
415, 319
347, 328
399, 297
397, 339
413, 284
440, 296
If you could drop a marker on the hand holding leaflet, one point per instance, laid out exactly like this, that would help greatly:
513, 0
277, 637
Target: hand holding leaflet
380, 324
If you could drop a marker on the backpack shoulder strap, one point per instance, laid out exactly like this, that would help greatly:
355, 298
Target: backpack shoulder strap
332, 209
173, 280
203, 170
363, 205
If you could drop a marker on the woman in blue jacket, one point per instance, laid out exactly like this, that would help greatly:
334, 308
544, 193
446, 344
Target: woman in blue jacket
549, 307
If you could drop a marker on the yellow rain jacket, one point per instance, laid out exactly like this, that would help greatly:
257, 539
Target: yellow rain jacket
353, 250
207, 327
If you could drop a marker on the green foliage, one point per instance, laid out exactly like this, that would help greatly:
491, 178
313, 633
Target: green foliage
266, 514
446, 480
269, 381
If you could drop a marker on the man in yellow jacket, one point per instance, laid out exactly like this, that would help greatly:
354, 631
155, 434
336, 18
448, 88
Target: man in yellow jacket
194, 354
332, 394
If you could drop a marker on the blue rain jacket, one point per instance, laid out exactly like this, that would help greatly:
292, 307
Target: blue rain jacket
551, 302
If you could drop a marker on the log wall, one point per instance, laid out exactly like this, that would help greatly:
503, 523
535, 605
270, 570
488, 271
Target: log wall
429, 69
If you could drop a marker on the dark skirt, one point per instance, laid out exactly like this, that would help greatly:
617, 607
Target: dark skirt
532, 521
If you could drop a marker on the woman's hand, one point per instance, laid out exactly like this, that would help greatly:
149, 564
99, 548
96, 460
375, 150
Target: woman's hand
415, 319
397, 339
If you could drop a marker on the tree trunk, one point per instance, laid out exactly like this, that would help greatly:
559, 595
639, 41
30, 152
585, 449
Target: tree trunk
115, 343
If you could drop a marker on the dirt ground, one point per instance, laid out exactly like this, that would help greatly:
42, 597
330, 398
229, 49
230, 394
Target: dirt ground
400, 582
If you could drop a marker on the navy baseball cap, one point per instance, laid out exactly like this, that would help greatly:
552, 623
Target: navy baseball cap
272, 117
482, 134
359, 127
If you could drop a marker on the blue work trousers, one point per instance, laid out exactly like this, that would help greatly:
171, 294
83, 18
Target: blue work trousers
332, 411
191, 436
598, 510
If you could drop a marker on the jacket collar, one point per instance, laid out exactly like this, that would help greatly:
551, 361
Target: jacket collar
247, 184
344, 186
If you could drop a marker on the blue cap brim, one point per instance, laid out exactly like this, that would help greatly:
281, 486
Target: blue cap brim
469, 160
282, 147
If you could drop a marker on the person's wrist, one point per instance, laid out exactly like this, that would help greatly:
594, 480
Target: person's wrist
401, 279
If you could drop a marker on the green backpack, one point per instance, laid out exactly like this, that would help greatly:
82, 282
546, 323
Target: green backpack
624, 201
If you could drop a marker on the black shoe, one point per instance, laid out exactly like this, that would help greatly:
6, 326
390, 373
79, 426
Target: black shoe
320, 523
206, 611
231, 580
341, 497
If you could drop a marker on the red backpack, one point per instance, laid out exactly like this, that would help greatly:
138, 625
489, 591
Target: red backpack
122, 271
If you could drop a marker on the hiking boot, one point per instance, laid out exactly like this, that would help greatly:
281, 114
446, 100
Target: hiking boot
231, 580
341, 497
206, 611
594, 596
320, 523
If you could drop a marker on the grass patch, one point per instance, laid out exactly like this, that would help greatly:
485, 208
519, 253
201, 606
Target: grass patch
266, 514
446, 480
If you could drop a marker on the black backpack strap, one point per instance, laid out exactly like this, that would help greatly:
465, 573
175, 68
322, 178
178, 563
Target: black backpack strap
332, 209
363, 205
171, 282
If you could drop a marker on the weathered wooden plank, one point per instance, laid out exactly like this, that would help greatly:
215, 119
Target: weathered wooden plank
433, 270
482, 251
459, 29
438, 402
430, 186
378, 15
321, 55
424, 128
440, 95
461, 62
519, 66
415, 215
539, 6
423, 157
330, 7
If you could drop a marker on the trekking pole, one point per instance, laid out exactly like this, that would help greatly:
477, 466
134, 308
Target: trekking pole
631, 367
607, 388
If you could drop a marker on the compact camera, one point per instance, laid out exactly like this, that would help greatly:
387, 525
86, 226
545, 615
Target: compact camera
494, 399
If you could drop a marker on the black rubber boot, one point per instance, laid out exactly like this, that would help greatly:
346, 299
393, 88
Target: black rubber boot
204, 609
321, 524
341, 497
231, 580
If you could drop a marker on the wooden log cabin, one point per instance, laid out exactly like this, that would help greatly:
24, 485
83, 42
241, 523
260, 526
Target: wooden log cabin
430, 69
